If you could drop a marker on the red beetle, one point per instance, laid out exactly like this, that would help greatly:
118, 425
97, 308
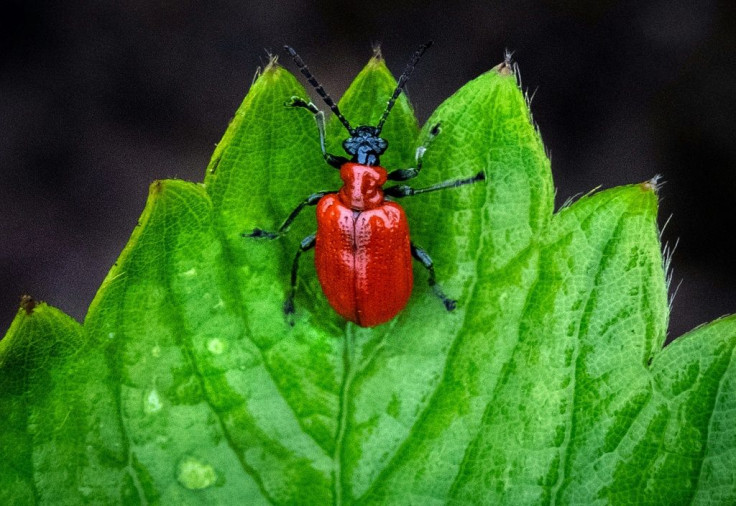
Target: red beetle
363, 253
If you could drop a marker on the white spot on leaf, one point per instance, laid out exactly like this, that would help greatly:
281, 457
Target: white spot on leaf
215, 346
194, 474
152, 402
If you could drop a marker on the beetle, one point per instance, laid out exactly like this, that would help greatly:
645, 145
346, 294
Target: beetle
363, 252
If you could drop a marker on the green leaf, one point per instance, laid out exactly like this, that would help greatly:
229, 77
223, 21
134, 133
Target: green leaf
548, 384
39, 343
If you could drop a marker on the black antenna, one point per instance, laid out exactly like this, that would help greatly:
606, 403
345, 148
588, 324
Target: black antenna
402, 82
318, 88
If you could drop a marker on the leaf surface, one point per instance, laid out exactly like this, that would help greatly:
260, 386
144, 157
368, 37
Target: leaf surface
548, 384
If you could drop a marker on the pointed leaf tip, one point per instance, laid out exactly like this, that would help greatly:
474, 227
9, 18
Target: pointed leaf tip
162, 187
507, 67
156, 188
377, 55
272, 66
28, 304
653, 185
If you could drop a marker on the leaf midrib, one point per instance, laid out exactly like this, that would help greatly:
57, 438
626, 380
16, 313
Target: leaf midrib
344, 398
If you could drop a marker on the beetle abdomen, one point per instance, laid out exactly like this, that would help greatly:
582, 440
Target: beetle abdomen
363, 260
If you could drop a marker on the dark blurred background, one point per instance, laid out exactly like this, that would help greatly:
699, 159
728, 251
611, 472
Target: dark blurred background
98, 99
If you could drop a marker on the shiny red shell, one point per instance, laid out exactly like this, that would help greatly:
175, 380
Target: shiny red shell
362, 251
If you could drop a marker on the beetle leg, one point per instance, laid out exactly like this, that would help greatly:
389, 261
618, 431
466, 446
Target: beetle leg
312, 200
406, 174
423, 257
403, 190
306, 244
319, 117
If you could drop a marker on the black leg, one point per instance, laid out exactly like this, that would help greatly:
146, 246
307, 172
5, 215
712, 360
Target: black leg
406, 174
312, 200
319, 117
423, 257
403, 190
306, 244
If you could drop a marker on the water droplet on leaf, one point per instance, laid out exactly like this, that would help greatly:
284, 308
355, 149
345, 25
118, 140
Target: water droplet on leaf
216, 346
152, 402
194, 474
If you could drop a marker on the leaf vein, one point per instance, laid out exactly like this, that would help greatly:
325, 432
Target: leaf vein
591, 300
709, 426
188, 351
505, 373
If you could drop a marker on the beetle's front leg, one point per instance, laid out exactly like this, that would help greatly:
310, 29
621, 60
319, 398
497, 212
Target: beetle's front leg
406, 174
312, 200
319, 117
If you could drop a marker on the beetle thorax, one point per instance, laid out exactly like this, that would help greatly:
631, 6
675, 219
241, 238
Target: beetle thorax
362, 188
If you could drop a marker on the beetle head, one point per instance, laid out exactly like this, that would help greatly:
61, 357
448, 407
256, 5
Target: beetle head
364, 145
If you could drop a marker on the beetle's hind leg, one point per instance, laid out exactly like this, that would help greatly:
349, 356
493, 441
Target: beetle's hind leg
306, 244
423, 257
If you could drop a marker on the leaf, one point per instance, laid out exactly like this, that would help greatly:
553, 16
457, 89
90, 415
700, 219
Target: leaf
39, 343
548, 384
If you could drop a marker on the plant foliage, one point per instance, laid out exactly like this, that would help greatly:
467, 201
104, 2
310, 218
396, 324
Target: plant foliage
549, 383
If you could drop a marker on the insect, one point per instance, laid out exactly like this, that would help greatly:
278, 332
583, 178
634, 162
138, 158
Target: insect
363, 253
